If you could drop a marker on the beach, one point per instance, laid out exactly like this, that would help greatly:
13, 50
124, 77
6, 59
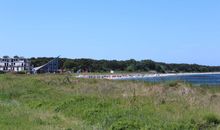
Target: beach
137, 75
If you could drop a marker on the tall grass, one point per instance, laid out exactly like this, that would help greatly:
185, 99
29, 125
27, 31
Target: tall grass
64, 102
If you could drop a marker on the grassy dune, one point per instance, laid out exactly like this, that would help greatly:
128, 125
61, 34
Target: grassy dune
64, 102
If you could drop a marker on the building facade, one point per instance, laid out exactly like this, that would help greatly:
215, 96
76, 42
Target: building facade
15, 64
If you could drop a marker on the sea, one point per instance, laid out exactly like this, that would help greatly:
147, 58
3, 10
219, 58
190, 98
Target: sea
197, 79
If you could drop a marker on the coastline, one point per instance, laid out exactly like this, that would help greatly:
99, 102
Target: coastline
138, 75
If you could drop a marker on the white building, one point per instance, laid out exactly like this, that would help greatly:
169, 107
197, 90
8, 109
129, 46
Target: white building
15, 64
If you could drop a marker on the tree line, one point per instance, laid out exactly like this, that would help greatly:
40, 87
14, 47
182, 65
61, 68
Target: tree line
91, 65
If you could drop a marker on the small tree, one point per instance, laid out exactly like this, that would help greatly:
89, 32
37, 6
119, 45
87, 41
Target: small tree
131, 68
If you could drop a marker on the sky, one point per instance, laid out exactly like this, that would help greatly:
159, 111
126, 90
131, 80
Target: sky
171, 31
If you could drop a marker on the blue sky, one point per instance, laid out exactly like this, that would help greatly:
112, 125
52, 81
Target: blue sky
173, 31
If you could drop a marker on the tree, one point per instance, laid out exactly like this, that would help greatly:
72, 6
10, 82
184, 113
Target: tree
131, 68
127, 65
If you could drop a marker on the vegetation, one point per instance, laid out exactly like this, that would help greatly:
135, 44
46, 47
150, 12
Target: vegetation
89, 65
64, 102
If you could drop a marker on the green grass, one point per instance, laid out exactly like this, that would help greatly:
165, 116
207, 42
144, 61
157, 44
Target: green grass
64, 102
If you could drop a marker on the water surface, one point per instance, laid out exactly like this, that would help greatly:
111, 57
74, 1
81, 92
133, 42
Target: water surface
201, 79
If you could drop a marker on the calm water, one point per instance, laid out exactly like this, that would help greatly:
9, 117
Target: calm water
201, 79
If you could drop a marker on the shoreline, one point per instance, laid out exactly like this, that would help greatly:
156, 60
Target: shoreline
138, 75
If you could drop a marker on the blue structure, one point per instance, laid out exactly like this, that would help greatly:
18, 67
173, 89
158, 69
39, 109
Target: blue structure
50, 67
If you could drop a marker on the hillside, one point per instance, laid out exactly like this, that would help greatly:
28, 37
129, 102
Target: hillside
63, 102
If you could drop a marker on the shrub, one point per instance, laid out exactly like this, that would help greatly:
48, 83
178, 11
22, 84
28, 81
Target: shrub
173, 83
92, 115
212, 119
21, 72
2, 72
126, 125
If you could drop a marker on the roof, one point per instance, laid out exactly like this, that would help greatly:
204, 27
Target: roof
38, 68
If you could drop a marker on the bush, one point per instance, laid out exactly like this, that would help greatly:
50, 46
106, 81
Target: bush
173, 83
126, 125
212, 119
21, 72
2, 72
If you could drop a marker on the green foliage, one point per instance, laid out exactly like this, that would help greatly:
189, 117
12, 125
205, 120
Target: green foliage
212, 119
160, 69
172, 83
126, 125
2, 72
131, 68
90, 65
21, 72
47, 102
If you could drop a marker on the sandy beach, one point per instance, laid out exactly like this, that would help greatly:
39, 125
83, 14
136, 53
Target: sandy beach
138, 75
